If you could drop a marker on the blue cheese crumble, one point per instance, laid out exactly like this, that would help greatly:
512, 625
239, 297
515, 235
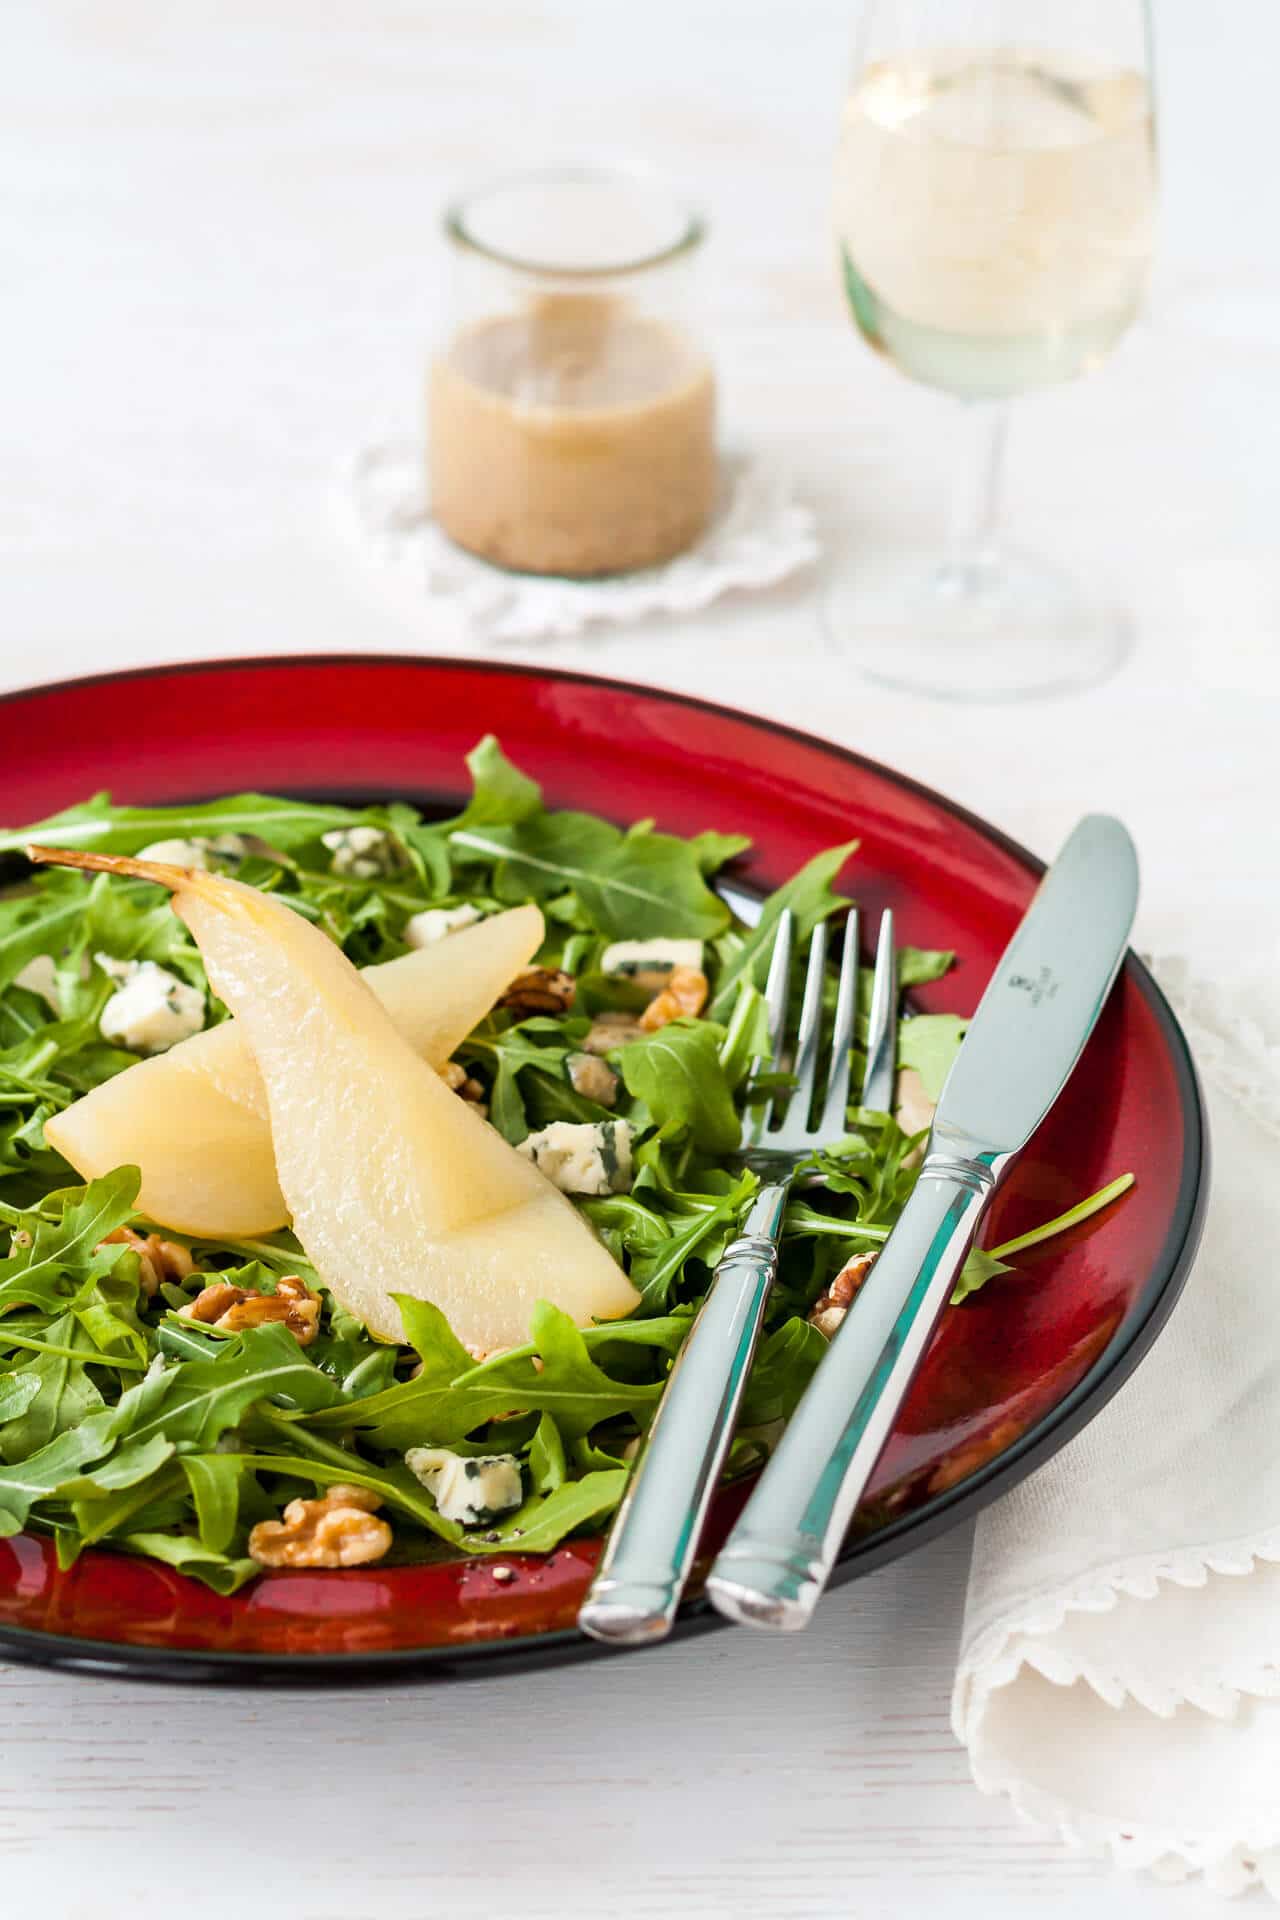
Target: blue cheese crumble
362, 853
650, 962
436, 923
587, 1157
151, 1009
470, 1489
199, 852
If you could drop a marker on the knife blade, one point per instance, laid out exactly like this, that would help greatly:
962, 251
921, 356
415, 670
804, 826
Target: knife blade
1046, 993
1030, 1028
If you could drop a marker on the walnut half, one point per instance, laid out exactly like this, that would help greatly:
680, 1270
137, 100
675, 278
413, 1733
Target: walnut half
234, 1308
337, 1530
540, 990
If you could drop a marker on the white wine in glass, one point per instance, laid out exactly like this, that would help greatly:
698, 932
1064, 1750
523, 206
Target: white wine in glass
995, 203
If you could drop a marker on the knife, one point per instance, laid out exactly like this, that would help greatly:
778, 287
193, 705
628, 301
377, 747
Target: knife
1040, 1007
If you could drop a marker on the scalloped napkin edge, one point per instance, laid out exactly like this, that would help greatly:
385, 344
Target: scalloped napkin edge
1119, 1673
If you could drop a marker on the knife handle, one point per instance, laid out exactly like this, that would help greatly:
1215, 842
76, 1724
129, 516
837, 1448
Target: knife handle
777, 1561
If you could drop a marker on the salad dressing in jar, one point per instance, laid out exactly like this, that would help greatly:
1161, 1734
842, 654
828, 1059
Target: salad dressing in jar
572, 411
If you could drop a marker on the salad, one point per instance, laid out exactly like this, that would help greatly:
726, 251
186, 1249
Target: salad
183, 1375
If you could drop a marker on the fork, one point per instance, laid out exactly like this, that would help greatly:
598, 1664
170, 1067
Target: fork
651, 1545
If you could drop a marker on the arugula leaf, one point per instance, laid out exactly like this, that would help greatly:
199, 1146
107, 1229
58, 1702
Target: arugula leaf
983, 1266
23, 1483
979, 1267
809, 896
396, 1485
108, 1312
216, 1570
437, 1346
65, 1394
714, 850
785, 1364
660, 1245
547, 1465
537, 1043
548, 1097
929, 1042
36, 925
631, 885
501, 795
918, 965
64, 1250
202, 1399
98, 1513
544, 1519
216, 1481
677, 1073
136, 1460
17, 1391
105, 828
746, 1039
567, 1384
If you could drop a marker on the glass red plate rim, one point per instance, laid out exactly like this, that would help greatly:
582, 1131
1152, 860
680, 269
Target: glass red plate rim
1047, 1432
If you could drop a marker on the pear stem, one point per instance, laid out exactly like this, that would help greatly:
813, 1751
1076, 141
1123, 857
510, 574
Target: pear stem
163, 875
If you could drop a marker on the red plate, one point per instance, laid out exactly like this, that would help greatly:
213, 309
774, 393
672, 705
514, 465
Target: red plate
1009, 1377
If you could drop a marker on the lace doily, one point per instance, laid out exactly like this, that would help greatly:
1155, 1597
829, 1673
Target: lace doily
760, 535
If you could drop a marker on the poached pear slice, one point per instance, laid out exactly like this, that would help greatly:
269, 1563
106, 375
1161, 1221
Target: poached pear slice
194, 1119
394, 1185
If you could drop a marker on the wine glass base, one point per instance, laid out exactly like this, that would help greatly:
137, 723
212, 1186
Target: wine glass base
986, 626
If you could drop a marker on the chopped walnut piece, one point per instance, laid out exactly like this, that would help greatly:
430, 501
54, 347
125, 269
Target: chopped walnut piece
337, 1530
234, 1308
158, 1259
540, 990
830, 1309
459, 1081
610, 1030
589, 1076
683, 997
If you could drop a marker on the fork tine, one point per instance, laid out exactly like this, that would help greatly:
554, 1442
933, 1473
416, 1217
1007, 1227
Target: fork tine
836, 1103
806, 1064
775, 994
882, 1026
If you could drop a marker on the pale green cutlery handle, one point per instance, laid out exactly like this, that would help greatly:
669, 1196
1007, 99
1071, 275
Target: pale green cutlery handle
777, 1561
650, 1549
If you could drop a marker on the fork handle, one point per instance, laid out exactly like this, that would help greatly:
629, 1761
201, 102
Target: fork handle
776, 1563
650, 1549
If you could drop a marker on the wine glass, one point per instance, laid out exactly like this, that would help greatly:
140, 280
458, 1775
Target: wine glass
995, 203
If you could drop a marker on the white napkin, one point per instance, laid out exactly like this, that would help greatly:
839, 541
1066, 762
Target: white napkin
1119, 1675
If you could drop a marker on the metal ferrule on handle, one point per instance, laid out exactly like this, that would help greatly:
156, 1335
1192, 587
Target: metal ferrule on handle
650, 1549
776, 1563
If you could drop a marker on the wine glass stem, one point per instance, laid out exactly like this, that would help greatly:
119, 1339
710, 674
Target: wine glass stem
974, 547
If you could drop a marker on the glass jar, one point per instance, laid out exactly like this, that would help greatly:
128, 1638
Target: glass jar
572, 406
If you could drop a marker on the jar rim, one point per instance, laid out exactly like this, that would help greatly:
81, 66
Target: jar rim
689, 221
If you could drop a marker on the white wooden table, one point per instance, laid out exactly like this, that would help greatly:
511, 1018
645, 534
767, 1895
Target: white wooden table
217, 279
